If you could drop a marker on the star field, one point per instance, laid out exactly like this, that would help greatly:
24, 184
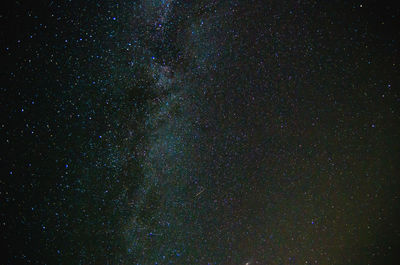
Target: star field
199, 132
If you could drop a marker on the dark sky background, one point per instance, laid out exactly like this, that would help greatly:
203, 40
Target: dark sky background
199, 132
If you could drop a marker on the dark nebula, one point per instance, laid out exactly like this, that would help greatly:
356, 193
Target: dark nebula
199, 132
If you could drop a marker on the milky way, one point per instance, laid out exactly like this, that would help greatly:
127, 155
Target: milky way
200, 132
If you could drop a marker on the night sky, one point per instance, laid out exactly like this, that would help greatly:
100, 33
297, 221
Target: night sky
200, 132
